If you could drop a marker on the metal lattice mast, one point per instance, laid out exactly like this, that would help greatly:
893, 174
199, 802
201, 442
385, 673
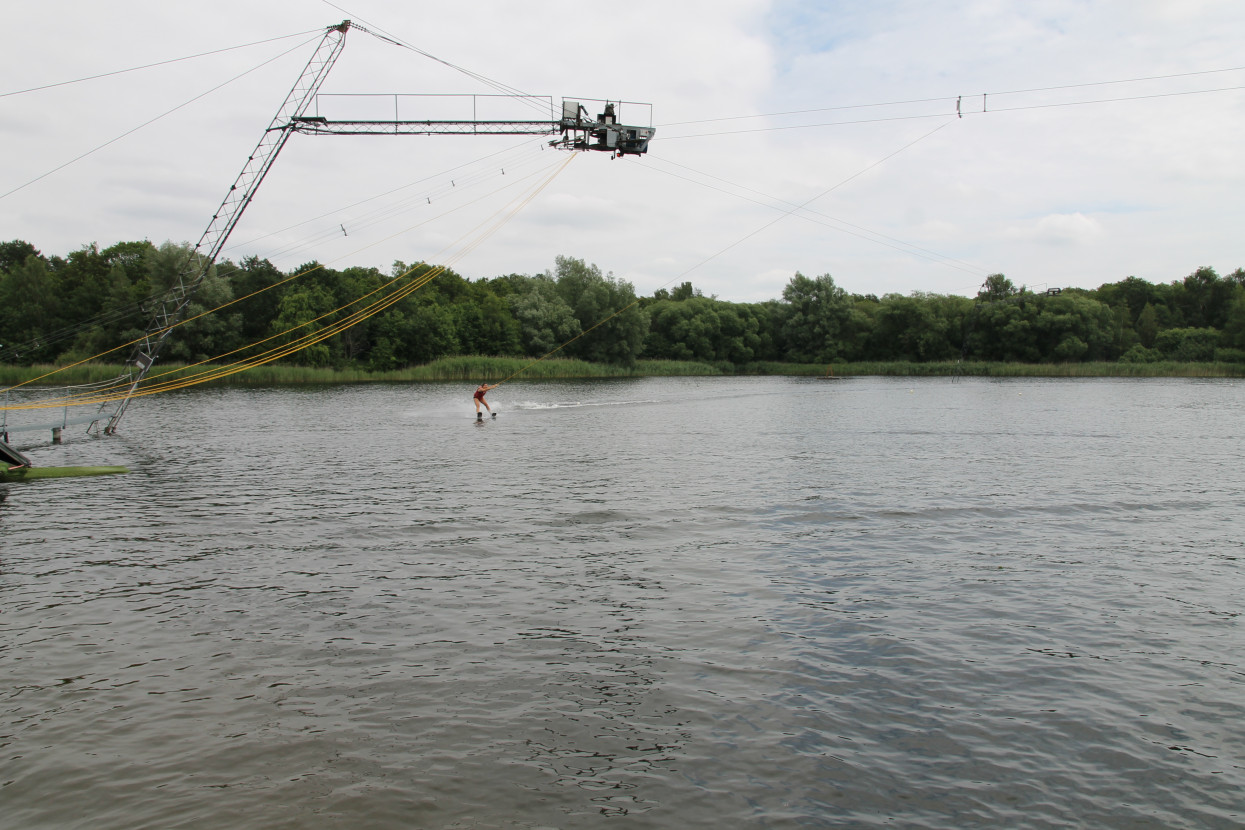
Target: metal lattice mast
173, 305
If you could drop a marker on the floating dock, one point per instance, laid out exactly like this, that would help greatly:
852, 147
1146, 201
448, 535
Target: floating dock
33, 473
16, 467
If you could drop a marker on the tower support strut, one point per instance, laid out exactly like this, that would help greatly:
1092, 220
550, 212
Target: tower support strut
172, 307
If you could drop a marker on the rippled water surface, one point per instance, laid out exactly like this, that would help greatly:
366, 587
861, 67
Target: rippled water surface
756, 602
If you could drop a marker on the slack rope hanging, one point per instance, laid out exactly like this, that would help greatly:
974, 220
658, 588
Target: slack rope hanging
483, 231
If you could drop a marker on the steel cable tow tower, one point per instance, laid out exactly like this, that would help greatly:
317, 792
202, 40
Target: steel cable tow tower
575, 130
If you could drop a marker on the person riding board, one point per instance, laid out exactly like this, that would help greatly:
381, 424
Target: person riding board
479, 399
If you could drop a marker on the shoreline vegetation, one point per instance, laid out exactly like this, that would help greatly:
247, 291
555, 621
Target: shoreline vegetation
424, 322
475, 369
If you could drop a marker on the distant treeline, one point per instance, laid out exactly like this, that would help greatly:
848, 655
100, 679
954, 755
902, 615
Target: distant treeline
62, 309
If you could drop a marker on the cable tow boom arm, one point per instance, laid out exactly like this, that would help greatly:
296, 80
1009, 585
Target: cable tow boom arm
577, 130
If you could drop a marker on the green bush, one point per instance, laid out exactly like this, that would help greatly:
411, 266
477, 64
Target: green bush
1224, 355
1140, 354
1189, 345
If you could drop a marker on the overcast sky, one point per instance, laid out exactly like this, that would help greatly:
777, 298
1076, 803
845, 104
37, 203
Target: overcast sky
818, 137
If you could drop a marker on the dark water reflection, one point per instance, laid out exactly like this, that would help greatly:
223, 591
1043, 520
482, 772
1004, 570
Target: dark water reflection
677, 603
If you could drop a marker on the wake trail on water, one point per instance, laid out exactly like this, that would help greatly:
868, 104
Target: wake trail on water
455, 412
537, 405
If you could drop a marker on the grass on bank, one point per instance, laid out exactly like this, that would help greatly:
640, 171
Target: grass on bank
476, 369
1164, 369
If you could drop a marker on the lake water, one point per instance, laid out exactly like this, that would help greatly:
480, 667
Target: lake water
660, 603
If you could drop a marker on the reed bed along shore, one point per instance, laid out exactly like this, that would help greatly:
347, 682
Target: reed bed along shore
493, 369
1164, 369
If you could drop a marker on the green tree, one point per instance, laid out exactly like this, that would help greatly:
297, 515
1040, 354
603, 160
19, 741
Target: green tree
357, 290
545, 320
684, 292
997, 287
608, 312
28, 312
1124, 336
921, 327
1003, 330
122, 320
383, 356
1147, 325
202, 333
1072, 326
1132, 293
486, 325
256, 283
1191, 345
688, 329
1140, 354
1070, 349
1234, 322
82, 285
739, 334
15, 253
130, 255
1019, 338
429, 331
1202, 298
818, 314
299, 316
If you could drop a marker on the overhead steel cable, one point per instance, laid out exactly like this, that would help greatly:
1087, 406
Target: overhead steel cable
808, 111
407, 204
389, 37
1122, 81
953, 98
378, 216
993, 109
153, 65
806, 126
808, 202
734, 244
776, 203
152, 120
986, 110
389, 192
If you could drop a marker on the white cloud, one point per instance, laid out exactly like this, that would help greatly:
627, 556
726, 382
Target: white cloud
1054, 194
1058, 229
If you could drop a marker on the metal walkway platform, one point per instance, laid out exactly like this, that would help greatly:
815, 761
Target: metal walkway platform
59, 423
